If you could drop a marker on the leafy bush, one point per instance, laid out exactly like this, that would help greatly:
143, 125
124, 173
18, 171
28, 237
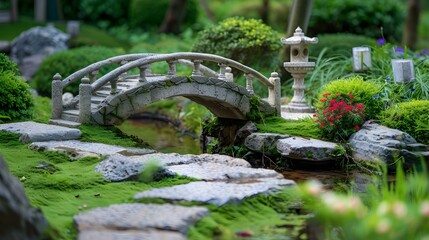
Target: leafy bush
362, 91
68, 62
340, 116
406, 116
359, 17
7, 65
339, 44
16, 101
247, 41
145, 14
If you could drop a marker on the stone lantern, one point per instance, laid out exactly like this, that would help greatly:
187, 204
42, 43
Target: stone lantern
298, 67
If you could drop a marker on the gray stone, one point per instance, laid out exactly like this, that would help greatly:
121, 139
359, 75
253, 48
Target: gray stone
19, 221
41, 41
264, 142
38, 132
308, 149
139, 217
130, 235
209, 171
244, 132
77, 149
218, 193
118, 167
376, 143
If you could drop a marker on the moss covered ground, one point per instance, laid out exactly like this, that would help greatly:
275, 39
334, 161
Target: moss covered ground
304, 127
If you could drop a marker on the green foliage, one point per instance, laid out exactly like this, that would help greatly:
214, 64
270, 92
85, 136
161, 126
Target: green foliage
386, 210
362, 91
339, 44
147, 14
304, 127
68, 62
16, 101
42, 109
358, 17
194, 115
7, 65
405, 117
104, 13
247, 41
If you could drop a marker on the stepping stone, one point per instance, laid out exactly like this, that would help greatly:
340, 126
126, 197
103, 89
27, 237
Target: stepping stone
132, 219
77, 149
130, 235
39, 132
218, 193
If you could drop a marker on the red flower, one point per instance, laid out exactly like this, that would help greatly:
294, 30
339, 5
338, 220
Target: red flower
332, 123
332, 101
317, 120
314, 115
326, 94
338, 117
350, 96
338, 94
323, 100
357, 128
359, 106
349, 108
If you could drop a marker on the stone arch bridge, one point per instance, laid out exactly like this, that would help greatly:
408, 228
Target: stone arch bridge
127, 89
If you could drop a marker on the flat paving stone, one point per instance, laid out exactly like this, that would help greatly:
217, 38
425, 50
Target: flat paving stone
39, 132
130, 235
218, 193
138, 217
77, 149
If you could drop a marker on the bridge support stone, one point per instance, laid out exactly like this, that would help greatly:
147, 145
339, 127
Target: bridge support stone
57, 97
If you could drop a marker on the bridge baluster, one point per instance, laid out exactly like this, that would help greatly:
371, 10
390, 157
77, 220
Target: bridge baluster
114, 86
222, 67
172, 68
123, 75
143, 71
93, 75
85, 101
249, 83
274, 93
229, 76
57, 96
197, 65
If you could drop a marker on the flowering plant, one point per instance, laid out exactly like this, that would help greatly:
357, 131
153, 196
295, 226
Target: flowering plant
339, 116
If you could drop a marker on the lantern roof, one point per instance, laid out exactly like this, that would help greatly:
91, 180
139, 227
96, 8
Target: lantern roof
299, 38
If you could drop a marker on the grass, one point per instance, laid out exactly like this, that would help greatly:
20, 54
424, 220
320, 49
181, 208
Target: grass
303, 127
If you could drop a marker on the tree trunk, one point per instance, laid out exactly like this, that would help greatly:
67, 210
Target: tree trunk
300, 13
174, 17
265, 11
207, 10
412, 24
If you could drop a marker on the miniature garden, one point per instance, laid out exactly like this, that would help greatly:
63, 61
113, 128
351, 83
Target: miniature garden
346, 158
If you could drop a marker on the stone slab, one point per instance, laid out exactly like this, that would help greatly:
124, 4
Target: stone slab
39, 132
218, 193
77, 149
138, 216
307, 149
264, 142
130, 235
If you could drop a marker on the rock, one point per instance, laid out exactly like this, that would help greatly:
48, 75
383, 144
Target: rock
67, 97
38, 132
19, 221
308, 149
37, 41
264, 143
119, 168
130, 235
218, 193
244, 132
376, 143
134, 218
5, 46
77, 149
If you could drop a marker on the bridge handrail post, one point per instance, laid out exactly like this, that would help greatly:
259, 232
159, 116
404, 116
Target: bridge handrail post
229, 76
249, 83
172, 68
142, 74
222, 68
197, 65
57, 97
274, 93
85, 91
93, 75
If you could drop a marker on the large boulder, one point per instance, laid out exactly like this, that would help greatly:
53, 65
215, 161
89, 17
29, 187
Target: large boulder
376, 143
18, 220
32, 46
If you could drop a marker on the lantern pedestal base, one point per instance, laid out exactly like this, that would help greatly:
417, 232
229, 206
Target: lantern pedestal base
297, 108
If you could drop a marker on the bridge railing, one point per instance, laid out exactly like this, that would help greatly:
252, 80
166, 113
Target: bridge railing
143, 62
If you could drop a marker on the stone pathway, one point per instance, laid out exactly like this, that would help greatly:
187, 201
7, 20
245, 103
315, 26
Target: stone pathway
222, 179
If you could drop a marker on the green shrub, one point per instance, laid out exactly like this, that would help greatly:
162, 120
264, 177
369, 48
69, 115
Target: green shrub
406, 116
339, 44
104, 13
247, 41
359, 17
145, 14
68, 62
15, 98
363, 93
7, 65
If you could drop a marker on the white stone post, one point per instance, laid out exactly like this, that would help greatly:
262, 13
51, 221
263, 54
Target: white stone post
274, 93
57, 96
222, 68
249, 83
85, 101
73, 27
361, 59
197, 65
403, 70
172, 68
142, 76
229, 76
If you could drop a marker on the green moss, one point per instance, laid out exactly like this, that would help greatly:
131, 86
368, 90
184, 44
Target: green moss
303, 127
260, 216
